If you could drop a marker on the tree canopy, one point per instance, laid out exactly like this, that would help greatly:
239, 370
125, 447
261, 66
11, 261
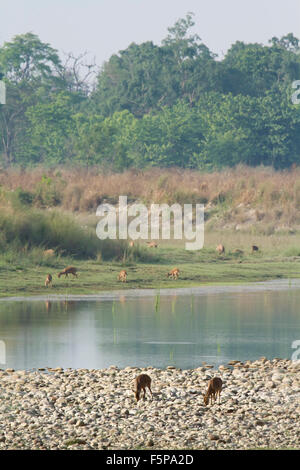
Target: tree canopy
173, 104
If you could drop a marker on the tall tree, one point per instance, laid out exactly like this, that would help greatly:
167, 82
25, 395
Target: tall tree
28, 65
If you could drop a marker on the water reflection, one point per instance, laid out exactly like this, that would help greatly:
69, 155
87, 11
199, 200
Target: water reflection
160, 330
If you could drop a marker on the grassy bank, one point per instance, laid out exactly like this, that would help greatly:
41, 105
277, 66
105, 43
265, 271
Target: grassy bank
25, 277
243, 207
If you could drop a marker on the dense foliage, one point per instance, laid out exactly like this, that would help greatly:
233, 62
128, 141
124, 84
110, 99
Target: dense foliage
174, 104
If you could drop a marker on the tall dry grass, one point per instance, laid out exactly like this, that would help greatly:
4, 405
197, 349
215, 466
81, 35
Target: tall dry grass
274, 195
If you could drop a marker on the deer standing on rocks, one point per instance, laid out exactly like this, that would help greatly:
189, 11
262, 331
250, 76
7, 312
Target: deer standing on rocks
214, 389
141, 382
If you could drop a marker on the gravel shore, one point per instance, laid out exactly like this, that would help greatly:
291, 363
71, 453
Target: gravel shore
96, 409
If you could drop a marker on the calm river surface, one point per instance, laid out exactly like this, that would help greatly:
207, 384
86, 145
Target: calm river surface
183, 327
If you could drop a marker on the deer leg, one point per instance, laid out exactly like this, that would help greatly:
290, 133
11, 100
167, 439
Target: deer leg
150, 391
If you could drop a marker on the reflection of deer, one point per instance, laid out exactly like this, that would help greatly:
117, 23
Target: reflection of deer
48, 305
68, 270
214, 388
174, 273
131, 243
122, 276
141, 382
48, 280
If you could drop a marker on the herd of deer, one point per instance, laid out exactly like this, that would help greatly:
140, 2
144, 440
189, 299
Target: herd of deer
214, 389
66, 271
221, 249
173, 274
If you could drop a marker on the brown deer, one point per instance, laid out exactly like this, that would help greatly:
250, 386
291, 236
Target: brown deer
214, 388
49, 252
174, 273
220, 249
122, 276
254, 248
48, 280
141, 382
152, 244
68, 270
237, 251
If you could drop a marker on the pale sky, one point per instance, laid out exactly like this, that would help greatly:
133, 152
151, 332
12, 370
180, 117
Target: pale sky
103, 27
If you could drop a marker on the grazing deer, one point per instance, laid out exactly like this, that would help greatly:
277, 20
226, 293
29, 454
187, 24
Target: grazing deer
220, 249
48, 280
254, 248
68, 270
152, 244
122, 276
141, 382
174, 273
49, 252
214, 388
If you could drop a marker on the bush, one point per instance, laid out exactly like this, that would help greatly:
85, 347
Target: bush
28, 228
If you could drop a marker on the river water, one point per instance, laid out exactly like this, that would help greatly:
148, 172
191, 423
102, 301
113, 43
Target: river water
180, 327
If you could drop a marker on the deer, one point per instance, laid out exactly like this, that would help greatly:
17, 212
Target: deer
68, 270
141, 382
174, 273
214, 388
220, 249
131, 243
48, 280
254, 248
152, 244
237, 251
49, 252
122, 276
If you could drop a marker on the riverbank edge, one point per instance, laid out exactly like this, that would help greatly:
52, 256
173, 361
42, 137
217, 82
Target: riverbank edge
203, 289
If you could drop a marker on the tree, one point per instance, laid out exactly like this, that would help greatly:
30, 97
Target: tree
50, 125
144, 78
253, 69
28, 65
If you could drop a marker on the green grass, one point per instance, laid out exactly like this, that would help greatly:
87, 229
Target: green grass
25, 232
26, 275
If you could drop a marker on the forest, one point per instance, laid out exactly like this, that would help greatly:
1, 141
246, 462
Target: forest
170, 105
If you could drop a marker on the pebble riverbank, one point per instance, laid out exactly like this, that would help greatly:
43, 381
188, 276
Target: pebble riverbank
96, 409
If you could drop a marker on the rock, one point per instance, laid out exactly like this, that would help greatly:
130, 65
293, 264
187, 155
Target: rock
96, 409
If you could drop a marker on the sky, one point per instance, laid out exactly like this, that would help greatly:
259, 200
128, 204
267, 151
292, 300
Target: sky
104, 27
